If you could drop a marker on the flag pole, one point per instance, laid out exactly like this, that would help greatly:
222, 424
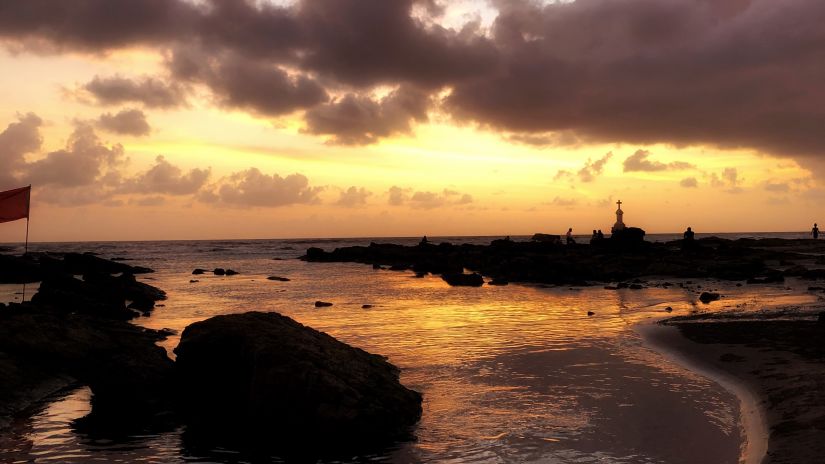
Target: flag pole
26, 246
28, 213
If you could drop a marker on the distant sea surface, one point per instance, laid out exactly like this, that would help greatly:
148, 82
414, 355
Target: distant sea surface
509, 374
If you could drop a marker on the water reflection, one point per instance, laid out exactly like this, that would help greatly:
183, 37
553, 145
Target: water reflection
515, 373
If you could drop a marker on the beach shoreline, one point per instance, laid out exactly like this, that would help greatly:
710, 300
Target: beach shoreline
774, 366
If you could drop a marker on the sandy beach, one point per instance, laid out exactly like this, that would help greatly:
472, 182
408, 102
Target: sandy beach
775, 366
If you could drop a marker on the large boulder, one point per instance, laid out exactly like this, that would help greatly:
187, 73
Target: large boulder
265, 376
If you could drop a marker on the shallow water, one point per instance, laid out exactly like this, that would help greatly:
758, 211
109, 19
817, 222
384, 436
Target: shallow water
509, 374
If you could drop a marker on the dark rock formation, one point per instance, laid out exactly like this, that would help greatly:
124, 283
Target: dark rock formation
464, 280
707, 297
547, 238
366, 306
279, 279
231, 272
622, 257
219, 271
199, 271
42, 350
265, 375
322, 304
500, 282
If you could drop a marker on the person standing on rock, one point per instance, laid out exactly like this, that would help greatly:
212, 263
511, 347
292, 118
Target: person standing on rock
815, 231
569, 236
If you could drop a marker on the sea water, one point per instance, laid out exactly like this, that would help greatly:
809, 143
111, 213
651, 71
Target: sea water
518, 373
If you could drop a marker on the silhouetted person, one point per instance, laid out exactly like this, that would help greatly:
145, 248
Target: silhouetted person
815, 231
594, 237
423, 241
569, 236
688, 242
600, 234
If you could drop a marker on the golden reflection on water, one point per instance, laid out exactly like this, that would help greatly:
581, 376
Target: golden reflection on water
515, 373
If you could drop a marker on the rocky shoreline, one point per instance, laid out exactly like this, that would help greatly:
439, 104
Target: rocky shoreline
603, 261
241, 378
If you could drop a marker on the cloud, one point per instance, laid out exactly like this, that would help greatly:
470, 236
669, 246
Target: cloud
397, 195
18, 139
126, 122
689, 182
254, 188
682, 72
240, 82
427, 199
353, 197
84, 160
728, 179
166, 178
592, 169
639, 162
358, 119
780, 187
563, 202
151, 92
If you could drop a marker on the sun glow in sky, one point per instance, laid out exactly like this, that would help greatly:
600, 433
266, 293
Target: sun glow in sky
292, 119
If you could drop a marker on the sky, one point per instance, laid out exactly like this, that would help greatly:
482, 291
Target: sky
207, 119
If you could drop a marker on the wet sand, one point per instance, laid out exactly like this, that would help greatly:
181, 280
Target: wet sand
776, 368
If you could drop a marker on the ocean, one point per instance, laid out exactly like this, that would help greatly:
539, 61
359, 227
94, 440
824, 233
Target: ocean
518, 373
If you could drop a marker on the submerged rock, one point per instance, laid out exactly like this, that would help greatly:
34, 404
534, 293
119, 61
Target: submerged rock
278, 279
267, 376
322, 304
707, 297
464, 280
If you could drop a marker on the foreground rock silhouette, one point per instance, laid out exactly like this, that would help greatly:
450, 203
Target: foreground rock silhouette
264, 374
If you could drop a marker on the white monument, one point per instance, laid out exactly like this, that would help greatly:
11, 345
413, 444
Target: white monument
619, 225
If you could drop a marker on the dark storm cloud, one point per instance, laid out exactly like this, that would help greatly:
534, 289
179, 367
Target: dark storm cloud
149, 91
680, 71
125, 122
358, 119
727, 73
94, 25
254, 85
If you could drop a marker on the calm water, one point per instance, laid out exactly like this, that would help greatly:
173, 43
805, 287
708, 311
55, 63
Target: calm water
509, 374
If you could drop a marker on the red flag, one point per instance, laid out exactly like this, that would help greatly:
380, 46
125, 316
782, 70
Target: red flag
14, 204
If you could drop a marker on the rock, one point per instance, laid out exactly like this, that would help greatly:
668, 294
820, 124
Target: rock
199, 271
636, 286
707, 297
669, 309
590, 313
322, 304
547, 238
796, 271
279, 279
193, 281
376, 266
366, 306
265, 377
219, 271
464, 280
498, 281
230, 272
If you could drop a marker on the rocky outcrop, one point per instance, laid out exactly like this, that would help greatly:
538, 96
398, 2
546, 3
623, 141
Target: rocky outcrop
266, 375
463, 280
622, 257
42, 350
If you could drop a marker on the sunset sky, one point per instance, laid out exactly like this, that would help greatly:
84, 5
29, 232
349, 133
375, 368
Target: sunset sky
199, 119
